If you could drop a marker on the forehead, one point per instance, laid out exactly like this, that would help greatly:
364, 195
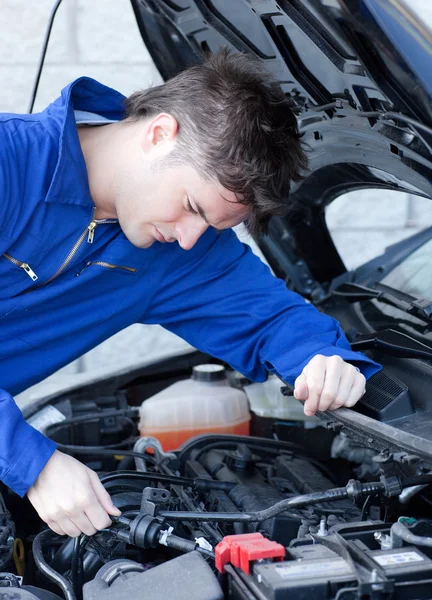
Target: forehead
220, 206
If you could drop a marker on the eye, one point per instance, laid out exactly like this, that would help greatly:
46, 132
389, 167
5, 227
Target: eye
189, 207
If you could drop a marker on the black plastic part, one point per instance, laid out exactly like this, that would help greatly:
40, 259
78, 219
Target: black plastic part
27, 592
144, 531
348, 559
187, 577
386, 398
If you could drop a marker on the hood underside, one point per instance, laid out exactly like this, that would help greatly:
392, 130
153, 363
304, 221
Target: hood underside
357, 73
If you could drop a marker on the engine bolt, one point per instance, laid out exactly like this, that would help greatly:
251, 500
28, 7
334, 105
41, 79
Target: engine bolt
383, 539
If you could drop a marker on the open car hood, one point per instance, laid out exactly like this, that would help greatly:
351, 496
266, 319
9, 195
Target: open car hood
360, 75
338, 60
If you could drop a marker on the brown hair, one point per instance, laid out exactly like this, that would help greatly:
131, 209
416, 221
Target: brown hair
236, 126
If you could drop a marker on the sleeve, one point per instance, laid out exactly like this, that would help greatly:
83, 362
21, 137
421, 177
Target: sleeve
225, 301
24, 451
4, 186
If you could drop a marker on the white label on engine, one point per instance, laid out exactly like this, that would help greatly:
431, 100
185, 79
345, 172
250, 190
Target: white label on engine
398, 558
46, 416
316, 569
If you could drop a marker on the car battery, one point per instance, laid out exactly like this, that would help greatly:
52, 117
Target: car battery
317, 573
314, 573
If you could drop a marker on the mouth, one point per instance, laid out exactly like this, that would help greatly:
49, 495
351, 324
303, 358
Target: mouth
159, 236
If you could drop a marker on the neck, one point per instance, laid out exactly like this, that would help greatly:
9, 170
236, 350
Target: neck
100, 147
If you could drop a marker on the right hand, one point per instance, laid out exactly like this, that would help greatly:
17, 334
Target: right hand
69, 497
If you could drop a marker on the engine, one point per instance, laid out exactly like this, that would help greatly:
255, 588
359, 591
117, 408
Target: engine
226, 516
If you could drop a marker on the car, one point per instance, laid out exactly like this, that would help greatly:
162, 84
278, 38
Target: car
332, 507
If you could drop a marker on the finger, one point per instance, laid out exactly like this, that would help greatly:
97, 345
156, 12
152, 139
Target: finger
333, 376
84, 524
98, 516
56, 528
69, 527
301, 388
315, 375
357, 391
102, 495
346, 382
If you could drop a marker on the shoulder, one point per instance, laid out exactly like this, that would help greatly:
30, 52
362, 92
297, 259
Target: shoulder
28, 155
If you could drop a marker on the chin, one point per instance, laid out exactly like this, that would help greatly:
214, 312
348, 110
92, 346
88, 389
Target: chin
138, 240
142, 243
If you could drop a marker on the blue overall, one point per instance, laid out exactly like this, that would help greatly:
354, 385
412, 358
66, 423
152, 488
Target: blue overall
68, 283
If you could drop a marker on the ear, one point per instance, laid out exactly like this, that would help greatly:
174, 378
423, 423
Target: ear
159, 134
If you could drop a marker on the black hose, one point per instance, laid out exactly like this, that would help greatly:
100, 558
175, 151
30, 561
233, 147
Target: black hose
396, 117
74, 566
400, 530
417, 480
44, 49
354, 489
184, 545
98, 451
46, 569
77, 567
121, 412
206, 442
198, 483
262, 515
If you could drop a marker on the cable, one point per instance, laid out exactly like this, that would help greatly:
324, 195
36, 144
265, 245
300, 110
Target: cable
197, 483
184, 545
45, 568
290, 446
426, 478
372, 114
345, 590
395, 116
98, 450
400, 530
228, 440
353, 489
122, 412
44, 49
262, 515
365, 508
77, 567
95, 450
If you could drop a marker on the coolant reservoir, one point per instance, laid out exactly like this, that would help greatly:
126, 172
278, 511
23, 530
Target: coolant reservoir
206, 403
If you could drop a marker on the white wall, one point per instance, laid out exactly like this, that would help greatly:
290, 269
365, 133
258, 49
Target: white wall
100, 38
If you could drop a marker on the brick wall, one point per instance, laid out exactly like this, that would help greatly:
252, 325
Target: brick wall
100, 39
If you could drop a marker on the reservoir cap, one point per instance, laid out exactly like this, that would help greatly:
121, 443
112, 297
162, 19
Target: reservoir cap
208, 372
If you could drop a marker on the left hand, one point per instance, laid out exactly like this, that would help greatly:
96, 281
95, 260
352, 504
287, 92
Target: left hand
328, 382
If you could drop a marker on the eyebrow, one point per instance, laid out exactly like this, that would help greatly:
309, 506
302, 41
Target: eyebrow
202, 214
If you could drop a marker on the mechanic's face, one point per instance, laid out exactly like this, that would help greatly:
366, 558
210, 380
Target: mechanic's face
167, 203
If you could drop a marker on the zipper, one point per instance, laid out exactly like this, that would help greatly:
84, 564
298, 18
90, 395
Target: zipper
107, 265
95, 222
24, 266
88, 233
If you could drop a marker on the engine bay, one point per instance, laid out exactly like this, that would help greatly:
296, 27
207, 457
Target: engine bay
289, 511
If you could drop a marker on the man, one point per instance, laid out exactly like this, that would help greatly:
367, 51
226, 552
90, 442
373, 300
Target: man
86, 212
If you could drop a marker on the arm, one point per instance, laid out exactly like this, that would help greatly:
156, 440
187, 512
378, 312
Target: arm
223, 300
24, 451
67, 495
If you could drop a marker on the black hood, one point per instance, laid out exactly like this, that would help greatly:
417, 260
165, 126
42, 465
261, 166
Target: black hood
360, 75
351, 67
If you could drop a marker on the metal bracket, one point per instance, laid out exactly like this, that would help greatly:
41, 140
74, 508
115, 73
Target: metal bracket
151, 498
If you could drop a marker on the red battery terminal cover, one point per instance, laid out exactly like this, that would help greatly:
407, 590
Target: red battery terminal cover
241, 550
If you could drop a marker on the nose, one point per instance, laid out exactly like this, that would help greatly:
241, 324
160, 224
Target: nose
189, 232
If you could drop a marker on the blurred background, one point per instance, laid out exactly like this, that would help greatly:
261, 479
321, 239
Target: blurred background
100, 39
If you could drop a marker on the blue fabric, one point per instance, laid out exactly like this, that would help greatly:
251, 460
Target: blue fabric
218, 296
